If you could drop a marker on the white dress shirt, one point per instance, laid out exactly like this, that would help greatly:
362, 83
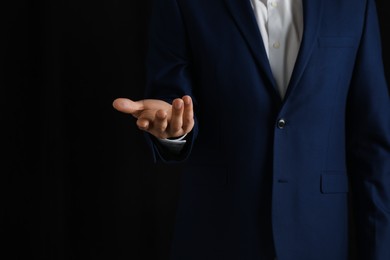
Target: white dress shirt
281, 27
280, 24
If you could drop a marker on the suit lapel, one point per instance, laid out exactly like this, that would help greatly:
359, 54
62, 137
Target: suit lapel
243, 15
312, 14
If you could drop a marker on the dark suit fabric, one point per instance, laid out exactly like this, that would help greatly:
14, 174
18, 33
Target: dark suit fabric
251, 188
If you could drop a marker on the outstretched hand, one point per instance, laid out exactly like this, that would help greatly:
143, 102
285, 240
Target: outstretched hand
158, 117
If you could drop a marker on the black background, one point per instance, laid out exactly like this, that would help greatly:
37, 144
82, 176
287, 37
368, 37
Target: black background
77, 180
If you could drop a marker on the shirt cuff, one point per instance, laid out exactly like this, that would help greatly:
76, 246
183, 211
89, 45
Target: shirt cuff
174, 145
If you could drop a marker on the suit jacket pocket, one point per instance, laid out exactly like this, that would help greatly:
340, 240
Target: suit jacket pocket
334, 183
336, 42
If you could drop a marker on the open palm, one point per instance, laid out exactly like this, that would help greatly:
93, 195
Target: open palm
159, 118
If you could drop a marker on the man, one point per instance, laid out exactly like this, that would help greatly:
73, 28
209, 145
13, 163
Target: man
281, 111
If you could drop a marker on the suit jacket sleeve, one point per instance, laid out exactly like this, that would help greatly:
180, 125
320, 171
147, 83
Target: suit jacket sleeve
168, 68
368, 133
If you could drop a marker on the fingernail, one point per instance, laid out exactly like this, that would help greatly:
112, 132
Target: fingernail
178, 105
123, 104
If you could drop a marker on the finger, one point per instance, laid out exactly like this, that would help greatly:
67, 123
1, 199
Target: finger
176, 122
128, 106
188, 114
143, 124
160, 123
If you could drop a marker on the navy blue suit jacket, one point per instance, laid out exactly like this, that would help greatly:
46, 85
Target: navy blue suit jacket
253, 188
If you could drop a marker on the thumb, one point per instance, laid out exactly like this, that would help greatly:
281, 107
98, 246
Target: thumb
128, 106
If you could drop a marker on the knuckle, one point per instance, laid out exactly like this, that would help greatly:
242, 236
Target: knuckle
188, 128
188, 121
175, 128
161, 129
158, 128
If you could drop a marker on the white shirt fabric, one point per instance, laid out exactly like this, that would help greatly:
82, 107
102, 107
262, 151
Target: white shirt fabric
281, 27
280, 24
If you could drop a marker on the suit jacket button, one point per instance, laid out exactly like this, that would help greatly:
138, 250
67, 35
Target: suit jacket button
281, 123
